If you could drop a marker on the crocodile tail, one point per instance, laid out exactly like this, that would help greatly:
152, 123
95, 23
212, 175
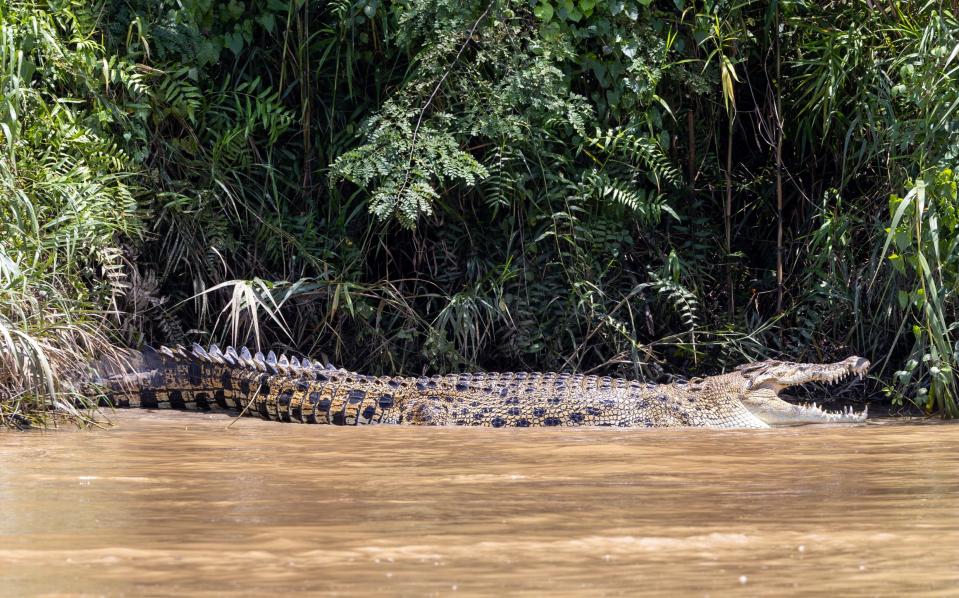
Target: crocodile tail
196, 379
276, 388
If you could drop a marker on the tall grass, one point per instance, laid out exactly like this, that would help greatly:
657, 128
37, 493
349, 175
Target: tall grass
66, 199
923, 236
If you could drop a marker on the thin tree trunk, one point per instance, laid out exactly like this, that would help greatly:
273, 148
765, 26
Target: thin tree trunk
779, 180
691, 143
306, 97
728, 217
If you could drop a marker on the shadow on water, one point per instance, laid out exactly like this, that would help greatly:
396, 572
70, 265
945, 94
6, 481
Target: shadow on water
175, 503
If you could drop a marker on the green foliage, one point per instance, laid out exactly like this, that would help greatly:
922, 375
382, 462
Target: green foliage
68, 198
925, 242
406, 168
498, 88
877, 96
435, 185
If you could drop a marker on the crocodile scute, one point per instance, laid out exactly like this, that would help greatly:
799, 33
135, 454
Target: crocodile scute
300, 390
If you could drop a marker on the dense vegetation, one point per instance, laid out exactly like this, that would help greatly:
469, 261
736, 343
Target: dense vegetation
621, 186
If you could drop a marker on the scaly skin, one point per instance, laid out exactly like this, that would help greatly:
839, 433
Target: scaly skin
291, 390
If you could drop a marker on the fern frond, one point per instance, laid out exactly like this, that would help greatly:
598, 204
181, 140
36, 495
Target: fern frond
641, 150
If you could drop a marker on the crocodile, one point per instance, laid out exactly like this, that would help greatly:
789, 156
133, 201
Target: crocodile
300, 390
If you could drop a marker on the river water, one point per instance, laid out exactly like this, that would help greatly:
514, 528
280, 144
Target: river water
175, 503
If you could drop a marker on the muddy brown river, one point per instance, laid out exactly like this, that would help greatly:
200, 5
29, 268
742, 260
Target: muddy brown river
175, 503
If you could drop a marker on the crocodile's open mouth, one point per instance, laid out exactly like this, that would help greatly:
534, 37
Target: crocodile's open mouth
767, 379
